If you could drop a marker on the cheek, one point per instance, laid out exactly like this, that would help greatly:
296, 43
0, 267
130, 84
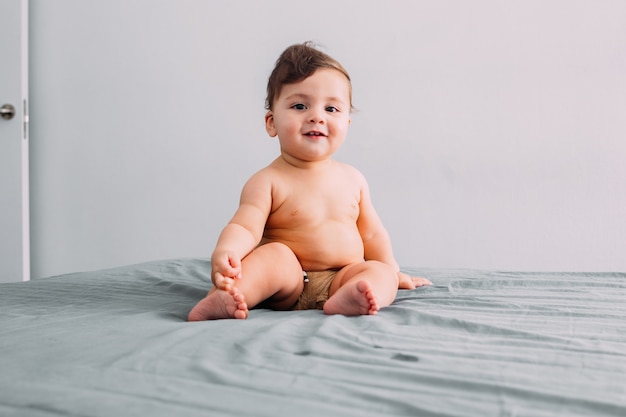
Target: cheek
342, 126
287, 127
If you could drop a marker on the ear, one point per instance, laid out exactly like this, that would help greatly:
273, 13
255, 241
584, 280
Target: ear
269, 124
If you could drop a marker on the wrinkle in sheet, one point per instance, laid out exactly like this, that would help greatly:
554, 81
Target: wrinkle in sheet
476, 343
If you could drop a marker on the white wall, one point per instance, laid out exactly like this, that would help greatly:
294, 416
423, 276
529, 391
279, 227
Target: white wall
492, 132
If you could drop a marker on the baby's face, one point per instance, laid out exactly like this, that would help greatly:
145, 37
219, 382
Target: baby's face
311, 117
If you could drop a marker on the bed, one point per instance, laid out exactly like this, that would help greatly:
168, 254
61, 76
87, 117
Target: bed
476, 343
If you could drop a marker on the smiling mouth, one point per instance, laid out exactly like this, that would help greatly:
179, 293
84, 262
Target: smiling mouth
314, 134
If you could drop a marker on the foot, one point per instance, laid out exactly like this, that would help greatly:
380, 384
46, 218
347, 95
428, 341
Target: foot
219, 304
353, 299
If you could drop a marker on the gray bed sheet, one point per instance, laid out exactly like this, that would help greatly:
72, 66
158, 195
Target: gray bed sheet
476, 343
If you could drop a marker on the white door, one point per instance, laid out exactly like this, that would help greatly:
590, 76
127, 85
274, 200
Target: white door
14, 226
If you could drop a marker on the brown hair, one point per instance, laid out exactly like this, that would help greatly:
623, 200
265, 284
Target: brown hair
296, 63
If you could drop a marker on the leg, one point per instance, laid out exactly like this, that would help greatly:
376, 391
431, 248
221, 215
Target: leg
362, 288
271, 273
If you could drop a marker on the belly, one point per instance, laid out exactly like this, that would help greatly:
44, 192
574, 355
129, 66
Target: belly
327, 246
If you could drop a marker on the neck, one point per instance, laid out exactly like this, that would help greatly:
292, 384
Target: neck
301, 164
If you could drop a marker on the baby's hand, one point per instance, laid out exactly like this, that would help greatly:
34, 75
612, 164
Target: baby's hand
226, 269
407, 282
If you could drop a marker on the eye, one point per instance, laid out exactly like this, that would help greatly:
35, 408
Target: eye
332, 109
299, 106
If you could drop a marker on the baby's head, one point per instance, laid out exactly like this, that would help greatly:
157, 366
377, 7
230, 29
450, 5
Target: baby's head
297, 63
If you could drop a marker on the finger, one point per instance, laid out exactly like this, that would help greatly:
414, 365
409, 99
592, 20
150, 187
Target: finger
420, 282
222, 282
406, 285
235, 264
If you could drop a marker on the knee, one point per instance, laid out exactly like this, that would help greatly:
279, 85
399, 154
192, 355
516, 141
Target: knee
378, 265
374, 269
279, 250
280, 265
280, 257
382, 268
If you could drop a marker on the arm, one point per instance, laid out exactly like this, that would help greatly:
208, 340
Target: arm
243, 233
377, 243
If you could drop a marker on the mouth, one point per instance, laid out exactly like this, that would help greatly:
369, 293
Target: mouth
314, 134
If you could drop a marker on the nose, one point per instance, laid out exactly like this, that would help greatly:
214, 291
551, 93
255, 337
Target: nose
317, 116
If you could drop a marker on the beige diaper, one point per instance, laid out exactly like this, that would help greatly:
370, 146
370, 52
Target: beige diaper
316, 288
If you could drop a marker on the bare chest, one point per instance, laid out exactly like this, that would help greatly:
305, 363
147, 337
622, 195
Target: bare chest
313, 203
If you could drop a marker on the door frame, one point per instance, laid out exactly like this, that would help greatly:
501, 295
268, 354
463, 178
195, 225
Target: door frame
18, 73
25, 146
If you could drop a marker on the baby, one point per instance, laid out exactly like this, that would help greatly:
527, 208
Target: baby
306, 234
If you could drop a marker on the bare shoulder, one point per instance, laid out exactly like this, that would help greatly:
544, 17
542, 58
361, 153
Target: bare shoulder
354, 178
266, 186
262, 176
351, 173
258, 188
